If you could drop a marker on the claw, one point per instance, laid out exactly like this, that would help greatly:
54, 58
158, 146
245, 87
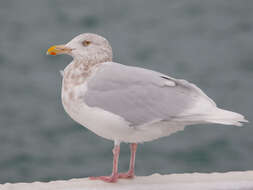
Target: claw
108, 179
127, 175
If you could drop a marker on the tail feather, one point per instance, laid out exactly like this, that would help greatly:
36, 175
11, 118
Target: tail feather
225, 117
215, 115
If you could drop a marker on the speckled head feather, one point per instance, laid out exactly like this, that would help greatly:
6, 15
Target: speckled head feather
90, 49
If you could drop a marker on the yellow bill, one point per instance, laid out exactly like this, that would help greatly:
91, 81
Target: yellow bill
58, 49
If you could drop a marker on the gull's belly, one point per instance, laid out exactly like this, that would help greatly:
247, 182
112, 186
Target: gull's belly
109, 125
101, 122
113, 127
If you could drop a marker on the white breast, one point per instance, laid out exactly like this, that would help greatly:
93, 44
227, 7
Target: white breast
103, 123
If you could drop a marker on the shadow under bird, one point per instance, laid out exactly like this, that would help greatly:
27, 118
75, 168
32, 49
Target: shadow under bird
129, 104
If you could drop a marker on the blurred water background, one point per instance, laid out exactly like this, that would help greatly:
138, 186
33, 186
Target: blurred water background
206, 42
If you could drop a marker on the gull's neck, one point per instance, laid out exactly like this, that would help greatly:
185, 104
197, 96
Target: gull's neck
82, 66
78, 71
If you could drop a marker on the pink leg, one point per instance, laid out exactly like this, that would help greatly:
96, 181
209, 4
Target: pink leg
114, 176
130, 173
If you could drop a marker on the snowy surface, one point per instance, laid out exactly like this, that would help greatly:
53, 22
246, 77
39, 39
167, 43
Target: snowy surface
196, 181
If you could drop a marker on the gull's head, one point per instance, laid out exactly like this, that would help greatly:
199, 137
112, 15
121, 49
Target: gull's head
85, 47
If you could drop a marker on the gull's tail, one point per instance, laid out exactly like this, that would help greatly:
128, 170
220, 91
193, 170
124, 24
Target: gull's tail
225, 117
214, 115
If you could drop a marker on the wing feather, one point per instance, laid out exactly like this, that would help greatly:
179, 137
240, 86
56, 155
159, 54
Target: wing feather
141, 96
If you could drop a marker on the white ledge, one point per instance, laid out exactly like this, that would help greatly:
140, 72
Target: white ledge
196, 181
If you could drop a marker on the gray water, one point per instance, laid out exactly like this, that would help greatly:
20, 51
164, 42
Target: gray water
206, 42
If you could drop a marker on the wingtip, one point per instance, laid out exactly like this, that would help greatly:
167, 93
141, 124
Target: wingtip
241, 122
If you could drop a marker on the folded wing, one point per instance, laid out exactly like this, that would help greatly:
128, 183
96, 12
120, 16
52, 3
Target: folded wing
141, 96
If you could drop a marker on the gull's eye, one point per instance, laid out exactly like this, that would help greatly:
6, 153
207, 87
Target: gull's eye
86, 43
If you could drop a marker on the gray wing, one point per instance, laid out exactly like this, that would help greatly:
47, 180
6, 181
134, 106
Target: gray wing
140, 95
